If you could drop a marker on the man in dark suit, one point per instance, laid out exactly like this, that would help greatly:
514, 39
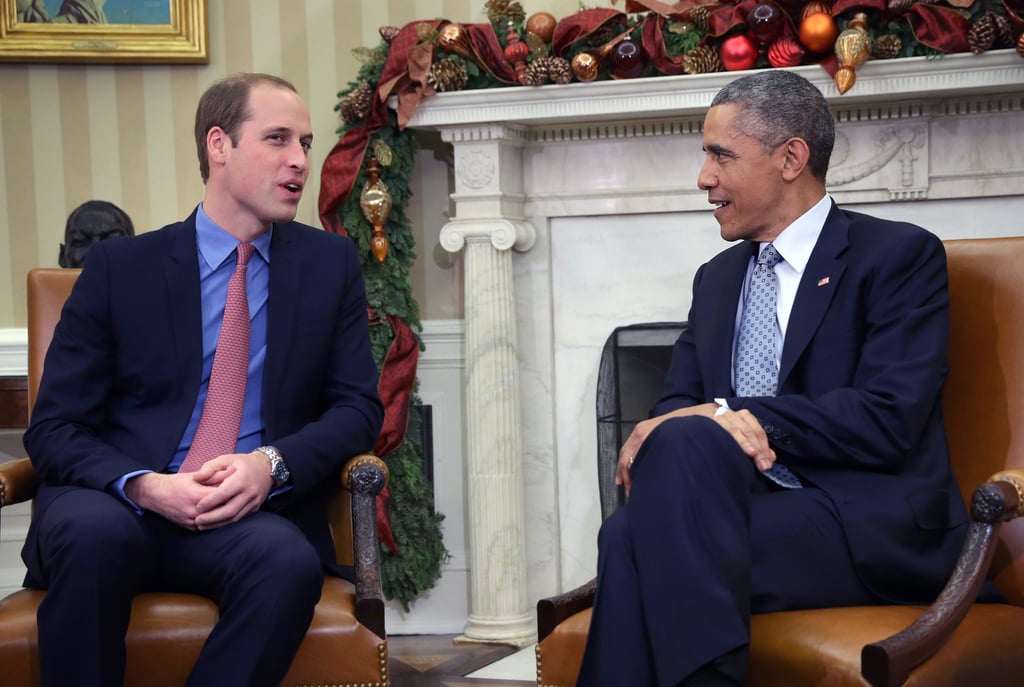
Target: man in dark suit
856, 359
125, 386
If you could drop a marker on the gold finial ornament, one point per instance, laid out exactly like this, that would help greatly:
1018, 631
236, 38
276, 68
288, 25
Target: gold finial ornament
375, 201
852, 50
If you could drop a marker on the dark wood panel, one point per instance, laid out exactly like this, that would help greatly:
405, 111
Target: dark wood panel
13, 402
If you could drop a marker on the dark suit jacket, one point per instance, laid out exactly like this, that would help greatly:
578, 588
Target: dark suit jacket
858, 412
123, 371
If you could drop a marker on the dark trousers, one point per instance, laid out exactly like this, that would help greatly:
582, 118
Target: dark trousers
704, 541
96, 553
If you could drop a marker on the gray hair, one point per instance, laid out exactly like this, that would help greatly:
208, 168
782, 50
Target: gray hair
776, 105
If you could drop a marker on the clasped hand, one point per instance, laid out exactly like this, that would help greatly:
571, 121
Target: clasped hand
741, 425
224, 490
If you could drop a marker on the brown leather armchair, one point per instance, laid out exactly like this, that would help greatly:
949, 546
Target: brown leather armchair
955, 641
345, 644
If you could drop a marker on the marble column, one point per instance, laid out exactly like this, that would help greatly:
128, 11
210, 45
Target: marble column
487, 225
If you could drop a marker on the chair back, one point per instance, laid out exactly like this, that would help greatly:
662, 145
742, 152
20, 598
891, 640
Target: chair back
983, 399
48, 288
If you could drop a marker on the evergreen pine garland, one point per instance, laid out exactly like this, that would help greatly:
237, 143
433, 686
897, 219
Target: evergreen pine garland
415, 524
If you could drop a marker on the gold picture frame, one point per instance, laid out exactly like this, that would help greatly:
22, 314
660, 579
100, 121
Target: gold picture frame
183, 40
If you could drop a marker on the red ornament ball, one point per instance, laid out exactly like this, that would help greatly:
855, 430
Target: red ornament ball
627, 60
765, 23
785, 52
738, 52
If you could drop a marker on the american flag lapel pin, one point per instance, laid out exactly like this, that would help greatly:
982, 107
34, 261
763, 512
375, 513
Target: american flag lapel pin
823, 281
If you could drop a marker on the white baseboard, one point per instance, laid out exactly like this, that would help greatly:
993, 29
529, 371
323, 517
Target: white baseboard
13, 352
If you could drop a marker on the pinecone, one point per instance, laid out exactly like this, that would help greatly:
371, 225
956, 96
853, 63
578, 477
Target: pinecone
886, 46
700, 16
982, 35
447, 75
501, 11
702, 60
548, 69
1004, 30
356, 105
388, 33
536, 73
559, 70
897, 6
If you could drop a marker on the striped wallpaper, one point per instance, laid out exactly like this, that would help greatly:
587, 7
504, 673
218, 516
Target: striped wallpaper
123, 133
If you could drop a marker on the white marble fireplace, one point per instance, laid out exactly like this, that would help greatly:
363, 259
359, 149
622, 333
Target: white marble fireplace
576, 210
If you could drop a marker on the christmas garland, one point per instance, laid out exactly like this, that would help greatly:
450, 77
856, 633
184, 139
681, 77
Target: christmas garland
412, 549
369, 168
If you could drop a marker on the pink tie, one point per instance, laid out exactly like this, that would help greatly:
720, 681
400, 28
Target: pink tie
217, 432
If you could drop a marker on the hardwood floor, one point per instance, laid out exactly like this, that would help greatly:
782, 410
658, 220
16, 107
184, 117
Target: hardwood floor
436, 661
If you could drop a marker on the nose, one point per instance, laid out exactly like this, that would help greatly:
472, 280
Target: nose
706, 179
299, 157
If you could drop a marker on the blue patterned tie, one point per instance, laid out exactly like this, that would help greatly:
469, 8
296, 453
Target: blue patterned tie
757, 372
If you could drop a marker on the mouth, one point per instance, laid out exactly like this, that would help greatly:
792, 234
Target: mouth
293, 187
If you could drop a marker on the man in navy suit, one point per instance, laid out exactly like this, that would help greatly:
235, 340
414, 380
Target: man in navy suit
125, 384
859, 351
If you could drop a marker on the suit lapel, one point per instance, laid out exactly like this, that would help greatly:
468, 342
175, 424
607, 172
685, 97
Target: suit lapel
285, 271
728, 282
817, 287
184, 302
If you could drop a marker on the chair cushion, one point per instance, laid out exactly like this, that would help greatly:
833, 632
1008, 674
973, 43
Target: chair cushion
821, 648
167, 632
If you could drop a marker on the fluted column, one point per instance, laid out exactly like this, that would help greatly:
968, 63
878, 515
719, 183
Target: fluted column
488, 224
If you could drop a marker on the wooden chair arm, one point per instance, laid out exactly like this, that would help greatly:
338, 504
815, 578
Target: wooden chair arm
554, 609
18, 481
365, 476
888, 663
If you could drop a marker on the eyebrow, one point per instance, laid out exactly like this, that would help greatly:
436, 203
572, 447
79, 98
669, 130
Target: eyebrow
716, 149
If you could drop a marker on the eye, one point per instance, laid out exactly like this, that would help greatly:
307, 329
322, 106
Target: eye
306, 145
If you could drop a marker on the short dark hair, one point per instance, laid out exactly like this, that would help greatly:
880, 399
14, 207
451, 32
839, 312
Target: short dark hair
226, 104
776, 105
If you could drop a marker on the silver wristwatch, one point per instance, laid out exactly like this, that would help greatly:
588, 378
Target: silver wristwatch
279, 472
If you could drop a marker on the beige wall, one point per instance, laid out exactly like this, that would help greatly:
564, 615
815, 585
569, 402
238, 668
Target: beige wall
69, 133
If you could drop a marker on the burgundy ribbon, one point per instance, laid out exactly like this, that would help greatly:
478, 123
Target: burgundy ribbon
580, 25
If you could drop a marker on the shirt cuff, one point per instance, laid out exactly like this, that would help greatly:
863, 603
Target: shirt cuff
723, 407
118, 488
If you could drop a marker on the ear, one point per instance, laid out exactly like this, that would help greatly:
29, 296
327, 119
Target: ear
796, 153
217, 144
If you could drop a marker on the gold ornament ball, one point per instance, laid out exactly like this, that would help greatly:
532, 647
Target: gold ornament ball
818, 32
585, 66
453, 39
543, 24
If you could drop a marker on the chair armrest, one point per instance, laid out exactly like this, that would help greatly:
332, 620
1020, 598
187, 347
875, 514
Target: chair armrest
554, 609
18, 481
365, 476
888, 663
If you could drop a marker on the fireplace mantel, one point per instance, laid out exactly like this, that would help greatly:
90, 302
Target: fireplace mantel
576, 211
880, 81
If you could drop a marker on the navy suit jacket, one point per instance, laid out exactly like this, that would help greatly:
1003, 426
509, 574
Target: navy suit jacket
859, 411
123, 372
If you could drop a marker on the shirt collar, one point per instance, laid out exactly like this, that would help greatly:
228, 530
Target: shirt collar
797, 241
216, 245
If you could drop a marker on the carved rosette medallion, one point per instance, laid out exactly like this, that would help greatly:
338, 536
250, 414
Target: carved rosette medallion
476, 169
